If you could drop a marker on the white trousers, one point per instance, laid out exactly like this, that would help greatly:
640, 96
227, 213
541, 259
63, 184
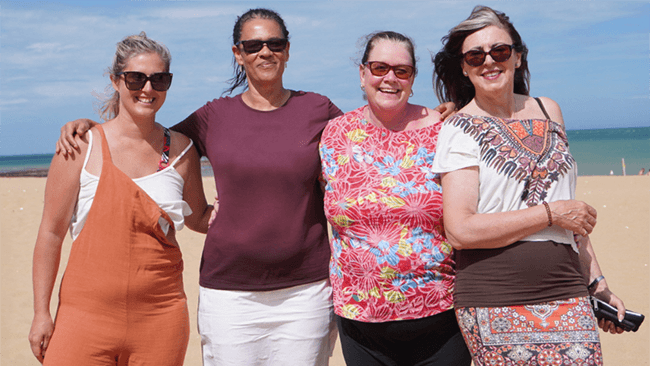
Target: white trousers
292, 326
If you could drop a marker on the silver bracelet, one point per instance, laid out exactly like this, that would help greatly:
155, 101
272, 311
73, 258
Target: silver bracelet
595, 282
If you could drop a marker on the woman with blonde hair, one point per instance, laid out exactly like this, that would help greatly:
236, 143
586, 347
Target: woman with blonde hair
133, 185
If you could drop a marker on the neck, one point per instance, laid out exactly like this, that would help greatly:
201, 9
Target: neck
143, 129
501, 104
396, 120
266, 97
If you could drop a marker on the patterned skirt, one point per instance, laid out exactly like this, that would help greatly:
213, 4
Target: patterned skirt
563, 332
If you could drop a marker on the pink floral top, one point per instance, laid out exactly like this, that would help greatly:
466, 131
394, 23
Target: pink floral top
390, 260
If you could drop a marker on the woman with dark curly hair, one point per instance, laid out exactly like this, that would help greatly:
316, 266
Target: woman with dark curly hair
508, 182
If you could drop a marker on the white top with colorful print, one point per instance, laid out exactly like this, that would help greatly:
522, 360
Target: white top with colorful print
521, 163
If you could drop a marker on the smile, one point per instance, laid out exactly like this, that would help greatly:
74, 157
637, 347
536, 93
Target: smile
389, 91
145, 100
492, 74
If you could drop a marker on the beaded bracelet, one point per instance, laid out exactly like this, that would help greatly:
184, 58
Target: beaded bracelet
548, 213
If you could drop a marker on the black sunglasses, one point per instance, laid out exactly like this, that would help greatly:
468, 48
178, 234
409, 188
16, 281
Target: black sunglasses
379, 68
499, 53
255, 45
135, 80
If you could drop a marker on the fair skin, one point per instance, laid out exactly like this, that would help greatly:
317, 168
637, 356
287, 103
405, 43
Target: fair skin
468, 229
388, 95
135, 142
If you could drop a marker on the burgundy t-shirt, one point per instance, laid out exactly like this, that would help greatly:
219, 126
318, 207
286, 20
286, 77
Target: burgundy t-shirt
270, 231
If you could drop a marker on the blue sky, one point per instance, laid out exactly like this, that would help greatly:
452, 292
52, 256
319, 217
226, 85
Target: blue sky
592, 57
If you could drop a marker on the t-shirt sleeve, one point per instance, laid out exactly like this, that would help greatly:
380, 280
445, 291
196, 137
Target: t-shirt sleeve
194, 127
334, 111
455, 150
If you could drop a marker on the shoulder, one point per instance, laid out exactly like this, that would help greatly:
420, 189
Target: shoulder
178, 143
428, 116
310, 98
344, 121
552, 108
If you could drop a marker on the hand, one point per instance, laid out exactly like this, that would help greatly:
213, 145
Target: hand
40, 334
446, 110
573, 215
213, 214
66, 142
613, 300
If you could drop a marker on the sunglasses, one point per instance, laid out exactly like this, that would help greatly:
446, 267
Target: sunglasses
378, 68
254, 45
135, 80
500, 53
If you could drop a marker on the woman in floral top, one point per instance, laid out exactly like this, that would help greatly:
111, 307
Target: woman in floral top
391, 270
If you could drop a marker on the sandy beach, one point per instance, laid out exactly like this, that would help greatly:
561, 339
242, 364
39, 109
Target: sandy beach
621, 240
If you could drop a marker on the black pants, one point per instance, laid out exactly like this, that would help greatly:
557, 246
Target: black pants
431, 341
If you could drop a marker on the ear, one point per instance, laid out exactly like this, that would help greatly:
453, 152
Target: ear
286, 51
362, 74
115, 80
238, 56
518, 60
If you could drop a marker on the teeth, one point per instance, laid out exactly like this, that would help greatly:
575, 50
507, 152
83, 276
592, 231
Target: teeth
492, 74
145, 100
393, 91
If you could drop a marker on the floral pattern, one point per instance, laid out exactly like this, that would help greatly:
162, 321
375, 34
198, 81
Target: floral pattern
390, 259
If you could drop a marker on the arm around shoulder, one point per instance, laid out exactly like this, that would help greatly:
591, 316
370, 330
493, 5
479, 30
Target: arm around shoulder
67, 144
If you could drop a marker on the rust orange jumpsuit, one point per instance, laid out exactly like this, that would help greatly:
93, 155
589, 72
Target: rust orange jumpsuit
121, 300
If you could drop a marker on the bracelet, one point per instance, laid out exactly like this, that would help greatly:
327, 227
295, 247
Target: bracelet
595, 282
548, 213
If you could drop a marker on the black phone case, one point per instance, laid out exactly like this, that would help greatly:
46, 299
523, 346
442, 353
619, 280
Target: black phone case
603, 310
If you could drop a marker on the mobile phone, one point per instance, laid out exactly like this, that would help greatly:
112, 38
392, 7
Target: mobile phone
603, 310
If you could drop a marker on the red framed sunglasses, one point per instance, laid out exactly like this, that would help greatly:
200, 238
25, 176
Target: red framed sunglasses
379, 68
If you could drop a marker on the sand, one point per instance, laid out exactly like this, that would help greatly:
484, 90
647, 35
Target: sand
621, 240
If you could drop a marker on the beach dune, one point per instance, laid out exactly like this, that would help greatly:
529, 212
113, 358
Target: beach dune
621, 240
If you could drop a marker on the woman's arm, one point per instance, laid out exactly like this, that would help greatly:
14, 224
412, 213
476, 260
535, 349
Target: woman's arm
591, 271
467, 229
66, 143
190, 169
61, 191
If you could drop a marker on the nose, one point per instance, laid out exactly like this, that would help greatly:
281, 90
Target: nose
265, 49
391, 75
147, 86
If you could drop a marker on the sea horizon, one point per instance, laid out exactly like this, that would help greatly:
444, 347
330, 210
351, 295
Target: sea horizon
605, 151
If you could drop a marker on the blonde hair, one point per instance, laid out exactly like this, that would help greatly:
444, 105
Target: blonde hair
128, 48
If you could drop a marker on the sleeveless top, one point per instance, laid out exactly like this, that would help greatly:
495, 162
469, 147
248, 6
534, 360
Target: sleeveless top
165, 187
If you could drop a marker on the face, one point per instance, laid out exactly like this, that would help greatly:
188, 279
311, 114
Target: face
264, 66
387, 92
492, 76
146, 101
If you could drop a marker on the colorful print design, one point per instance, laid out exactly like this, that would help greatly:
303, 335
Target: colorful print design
533, 150
390, 260
553, 333
164, 157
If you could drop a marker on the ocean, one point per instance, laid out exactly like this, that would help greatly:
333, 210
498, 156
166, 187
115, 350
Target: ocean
598, 152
